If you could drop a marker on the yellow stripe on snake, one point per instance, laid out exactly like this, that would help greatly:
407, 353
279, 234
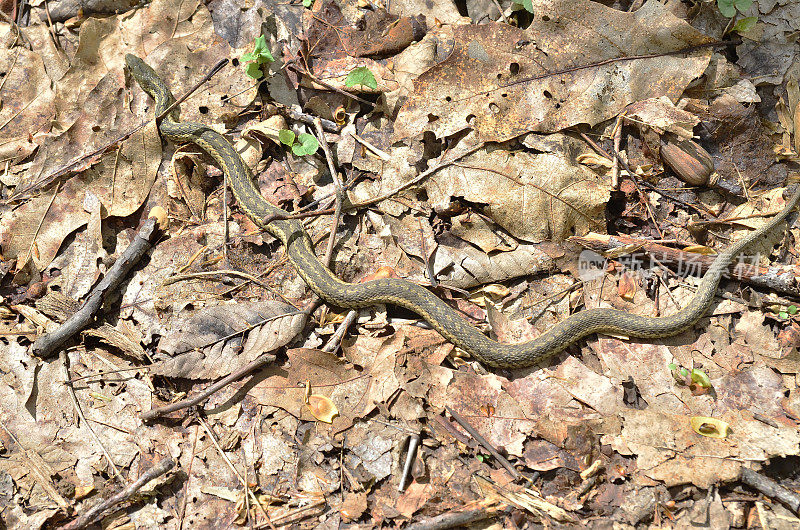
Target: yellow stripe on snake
412, 296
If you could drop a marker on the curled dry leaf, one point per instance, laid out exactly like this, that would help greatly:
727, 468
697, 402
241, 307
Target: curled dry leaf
627, 286
322, 408
710, 427
217, 340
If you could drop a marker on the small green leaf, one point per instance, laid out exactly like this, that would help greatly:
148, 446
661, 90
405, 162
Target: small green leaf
792, 309
700, 377
306, 145
672, 366
286, 137
260, 44
361, 76
308, 3
783, 315
528, 5
742, 5
253, 70
743, 25
249, 56
727, 8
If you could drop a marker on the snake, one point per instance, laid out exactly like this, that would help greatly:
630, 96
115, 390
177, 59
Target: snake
417, 298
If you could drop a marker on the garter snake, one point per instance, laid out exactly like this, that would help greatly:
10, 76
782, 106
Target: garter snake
412, 296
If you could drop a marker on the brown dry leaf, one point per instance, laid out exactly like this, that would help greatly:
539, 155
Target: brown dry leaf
661, 114
626, 287
26, 110
414, 498
92, 112
534, 197
217, 340
285, 388
353, 506
503, 81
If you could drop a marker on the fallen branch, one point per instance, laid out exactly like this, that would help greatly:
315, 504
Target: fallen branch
771, 489
47, 345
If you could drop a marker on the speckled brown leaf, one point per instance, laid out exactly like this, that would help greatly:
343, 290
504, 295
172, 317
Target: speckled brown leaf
217, 340
503, 81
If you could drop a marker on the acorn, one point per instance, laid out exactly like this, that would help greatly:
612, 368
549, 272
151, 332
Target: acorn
690, 162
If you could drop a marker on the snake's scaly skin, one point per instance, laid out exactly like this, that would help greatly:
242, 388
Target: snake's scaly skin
414, 297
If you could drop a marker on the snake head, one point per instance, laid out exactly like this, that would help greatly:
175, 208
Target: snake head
149, 81
142, 73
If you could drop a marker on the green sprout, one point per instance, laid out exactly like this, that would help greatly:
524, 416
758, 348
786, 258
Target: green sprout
303, 144
361, 76
260, 56
728, 8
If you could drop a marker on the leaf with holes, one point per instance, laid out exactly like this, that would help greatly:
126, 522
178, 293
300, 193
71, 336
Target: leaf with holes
565, 69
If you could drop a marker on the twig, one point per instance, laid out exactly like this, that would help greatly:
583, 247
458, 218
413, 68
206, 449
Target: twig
308, 119
247, 490
252, 366
337, 181
334, 341
485, 443
337, 208
185, 501
316, 79
644, 199
690, 263
771, 489
383, 155
48, 343
87, 518
459, 519
616, 156
74, 398
411, 456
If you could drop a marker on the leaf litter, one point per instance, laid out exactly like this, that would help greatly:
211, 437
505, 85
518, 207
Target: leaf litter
316, 439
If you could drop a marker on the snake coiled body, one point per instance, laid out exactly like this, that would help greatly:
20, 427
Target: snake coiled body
412, 296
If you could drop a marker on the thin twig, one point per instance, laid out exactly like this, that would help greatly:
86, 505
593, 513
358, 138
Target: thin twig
485, 443
699, 209
247, 490
642, 195
263, 359
154, 472
337, 181
77, 406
